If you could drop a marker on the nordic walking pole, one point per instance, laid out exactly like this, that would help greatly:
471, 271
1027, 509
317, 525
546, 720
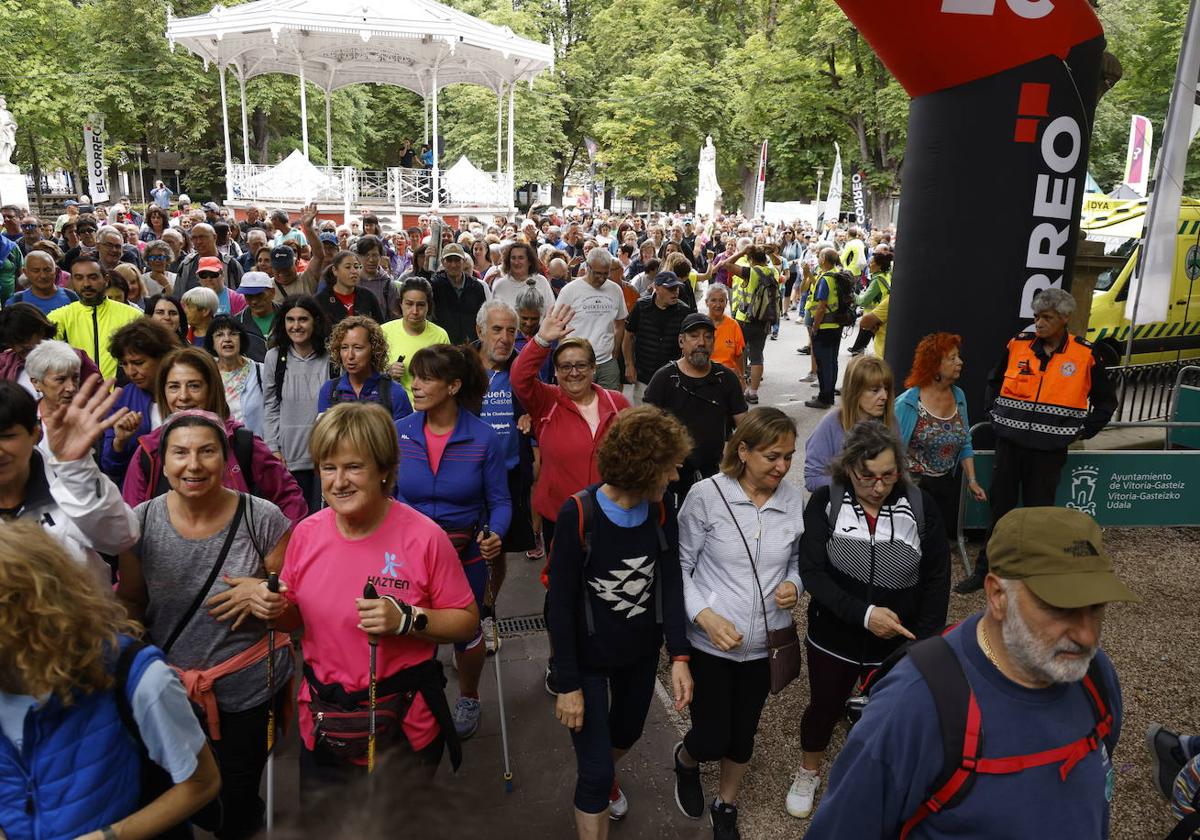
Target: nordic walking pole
370, 594
273, 586
508, 776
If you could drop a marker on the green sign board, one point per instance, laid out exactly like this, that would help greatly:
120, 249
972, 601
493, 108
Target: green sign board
1119, 489
1187, 409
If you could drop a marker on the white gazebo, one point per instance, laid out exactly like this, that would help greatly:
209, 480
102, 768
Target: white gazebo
420, 45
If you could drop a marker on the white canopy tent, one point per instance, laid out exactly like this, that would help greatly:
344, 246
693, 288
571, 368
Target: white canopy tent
420, 45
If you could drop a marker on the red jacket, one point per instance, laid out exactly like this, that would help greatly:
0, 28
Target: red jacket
564, 438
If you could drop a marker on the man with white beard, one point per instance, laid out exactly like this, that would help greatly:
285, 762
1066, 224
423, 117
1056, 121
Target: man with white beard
1005, 726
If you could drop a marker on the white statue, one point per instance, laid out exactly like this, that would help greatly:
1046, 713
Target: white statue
709, 190
8, 138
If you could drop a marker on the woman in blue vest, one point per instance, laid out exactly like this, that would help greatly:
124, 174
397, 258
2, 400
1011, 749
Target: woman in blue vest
358, 347
58, 653
452, 469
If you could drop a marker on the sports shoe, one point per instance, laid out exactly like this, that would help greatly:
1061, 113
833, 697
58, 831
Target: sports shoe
857, 351
689, 792
724, 821
815, 403
618, 805
971, 584
466, 717
1166, 749
752, 397
802, 793
812, 377
804, 351
774, 336
539, 548
491, 639
550, 682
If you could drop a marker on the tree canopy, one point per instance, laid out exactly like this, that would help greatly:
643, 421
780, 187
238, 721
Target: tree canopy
647, 80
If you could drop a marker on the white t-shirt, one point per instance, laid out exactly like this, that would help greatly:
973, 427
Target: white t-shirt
507, 289
595, 311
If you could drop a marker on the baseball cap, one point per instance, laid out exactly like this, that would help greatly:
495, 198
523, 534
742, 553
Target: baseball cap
70, 202
667, 278
282, 257
331, 238
210, 264
254, 282
1059, 554
211, 206
697, 319
453, 250
183, 199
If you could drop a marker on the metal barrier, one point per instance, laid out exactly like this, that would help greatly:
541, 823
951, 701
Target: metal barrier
1145, 392
1114, 497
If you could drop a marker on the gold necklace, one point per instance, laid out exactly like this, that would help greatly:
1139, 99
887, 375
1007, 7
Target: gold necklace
985, 644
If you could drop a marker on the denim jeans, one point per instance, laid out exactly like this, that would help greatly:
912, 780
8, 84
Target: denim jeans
825, 350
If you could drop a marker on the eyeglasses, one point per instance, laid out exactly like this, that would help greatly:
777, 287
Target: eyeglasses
887, 479
158, 258
573, 367
208, 275
85, 229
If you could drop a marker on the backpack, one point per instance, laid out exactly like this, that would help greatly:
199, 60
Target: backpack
243, 451
963, 729
585, 504
383, 396
764, 300
844, 315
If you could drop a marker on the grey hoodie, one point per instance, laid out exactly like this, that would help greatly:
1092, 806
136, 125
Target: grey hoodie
289, 422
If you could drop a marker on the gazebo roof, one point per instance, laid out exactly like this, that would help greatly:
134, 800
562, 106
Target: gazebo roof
394, 42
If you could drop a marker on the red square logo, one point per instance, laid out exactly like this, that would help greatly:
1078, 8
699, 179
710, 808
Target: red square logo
1026, 131
1035, 100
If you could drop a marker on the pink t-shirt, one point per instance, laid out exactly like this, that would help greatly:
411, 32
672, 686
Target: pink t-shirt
408, 557
435, 445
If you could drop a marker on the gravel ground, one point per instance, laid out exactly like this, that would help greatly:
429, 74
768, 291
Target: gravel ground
1148, 642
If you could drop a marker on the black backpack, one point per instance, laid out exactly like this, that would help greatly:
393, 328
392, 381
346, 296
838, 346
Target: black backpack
243, 451
846, 312
963, 726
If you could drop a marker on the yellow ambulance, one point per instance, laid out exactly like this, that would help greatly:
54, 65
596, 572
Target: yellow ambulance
1178, 337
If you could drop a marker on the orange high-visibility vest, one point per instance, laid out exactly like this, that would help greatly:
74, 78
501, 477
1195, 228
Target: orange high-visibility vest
1043, 404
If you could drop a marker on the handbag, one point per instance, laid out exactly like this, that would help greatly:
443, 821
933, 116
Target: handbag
783, 645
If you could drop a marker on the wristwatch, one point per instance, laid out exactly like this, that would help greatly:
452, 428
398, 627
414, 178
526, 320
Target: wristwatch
421, 620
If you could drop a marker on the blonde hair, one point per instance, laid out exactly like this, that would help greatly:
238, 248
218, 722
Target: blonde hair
57, 635
375, 338
362, 427
862, 374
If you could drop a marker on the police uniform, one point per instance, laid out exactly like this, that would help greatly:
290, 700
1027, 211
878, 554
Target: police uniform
1044, 401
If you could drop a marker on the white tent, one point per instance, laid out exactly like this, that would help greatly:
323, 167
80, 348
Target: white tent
467, 184
295, 178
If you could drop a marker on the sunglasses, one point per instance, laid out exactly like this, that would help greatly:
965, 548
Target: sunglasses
29, 227
85, 229
208, 275
157, 258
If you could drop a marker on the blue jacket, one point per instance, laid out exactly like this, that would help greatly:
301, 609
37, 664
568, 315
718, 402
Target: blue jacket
471, 484
906, 417
113, 463
79, 769
400, 407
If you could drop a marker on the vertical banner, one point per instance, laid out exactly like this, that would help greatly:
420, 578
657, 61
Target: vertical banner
1003, 92
833, 199
1150, 292
858, 194
93, 152
760, 190
1137, 156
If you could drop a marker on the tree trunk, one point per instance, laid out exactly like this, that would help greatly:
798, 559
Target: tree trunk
749, 179
73, 157
37, 168
261, 132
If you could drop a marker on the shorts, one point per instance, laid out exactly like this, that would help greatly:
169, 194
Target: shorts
755, 333
477, 576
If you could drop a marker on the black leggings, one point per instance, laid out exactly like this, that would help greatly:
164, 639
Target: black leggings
242, 754
944, 490
830, 682
726, 704
615, 703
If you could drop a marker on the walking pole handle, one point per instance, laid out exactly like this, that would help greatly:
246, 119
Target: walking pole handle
273, 582
370, 594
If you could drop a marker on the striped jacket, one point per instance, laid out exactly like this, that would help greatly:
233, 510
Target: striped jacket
847, 567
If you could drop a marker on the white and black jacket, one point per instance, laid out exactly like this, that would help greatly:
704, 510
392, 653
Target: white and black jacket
847, 569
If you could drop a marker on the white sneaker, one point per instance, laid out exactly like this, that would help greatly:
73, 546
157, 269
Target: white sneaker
491, 639
802, 793
618, 805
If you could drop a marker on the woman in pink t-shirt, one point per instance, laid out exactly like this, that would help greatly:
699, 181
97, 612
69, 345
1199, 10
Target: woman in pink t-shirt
365, 537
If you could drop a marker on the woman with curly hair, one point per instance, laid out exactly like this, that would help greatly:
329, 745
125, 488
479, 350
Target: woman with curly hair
60, 647
615, 591
932, 415
358, 347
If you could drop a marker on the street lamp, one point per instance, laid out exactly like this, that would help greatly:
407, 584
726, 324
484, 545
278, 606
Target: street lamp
177, 183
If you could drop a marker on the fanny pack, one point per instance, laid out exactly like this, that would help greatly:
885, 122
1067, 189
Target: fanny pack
463, 540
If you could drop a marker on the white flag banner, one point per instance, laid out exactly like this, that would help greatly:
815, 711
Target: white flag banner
1150, 294
1137, 156
93, 151
833, 199
760, 190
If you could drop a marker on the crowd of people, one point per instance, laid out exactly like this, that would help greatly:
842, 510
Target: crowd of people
248, 427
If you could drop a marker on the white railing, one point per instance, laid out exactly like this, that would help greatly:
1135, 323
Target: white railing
399, 187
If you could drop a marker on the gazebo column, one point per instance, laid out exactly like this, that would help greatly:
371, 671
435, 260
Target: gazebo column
499, 131
225, 126
303, 106
245, 121
512, 172
328, 128
436, 162
425, 115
